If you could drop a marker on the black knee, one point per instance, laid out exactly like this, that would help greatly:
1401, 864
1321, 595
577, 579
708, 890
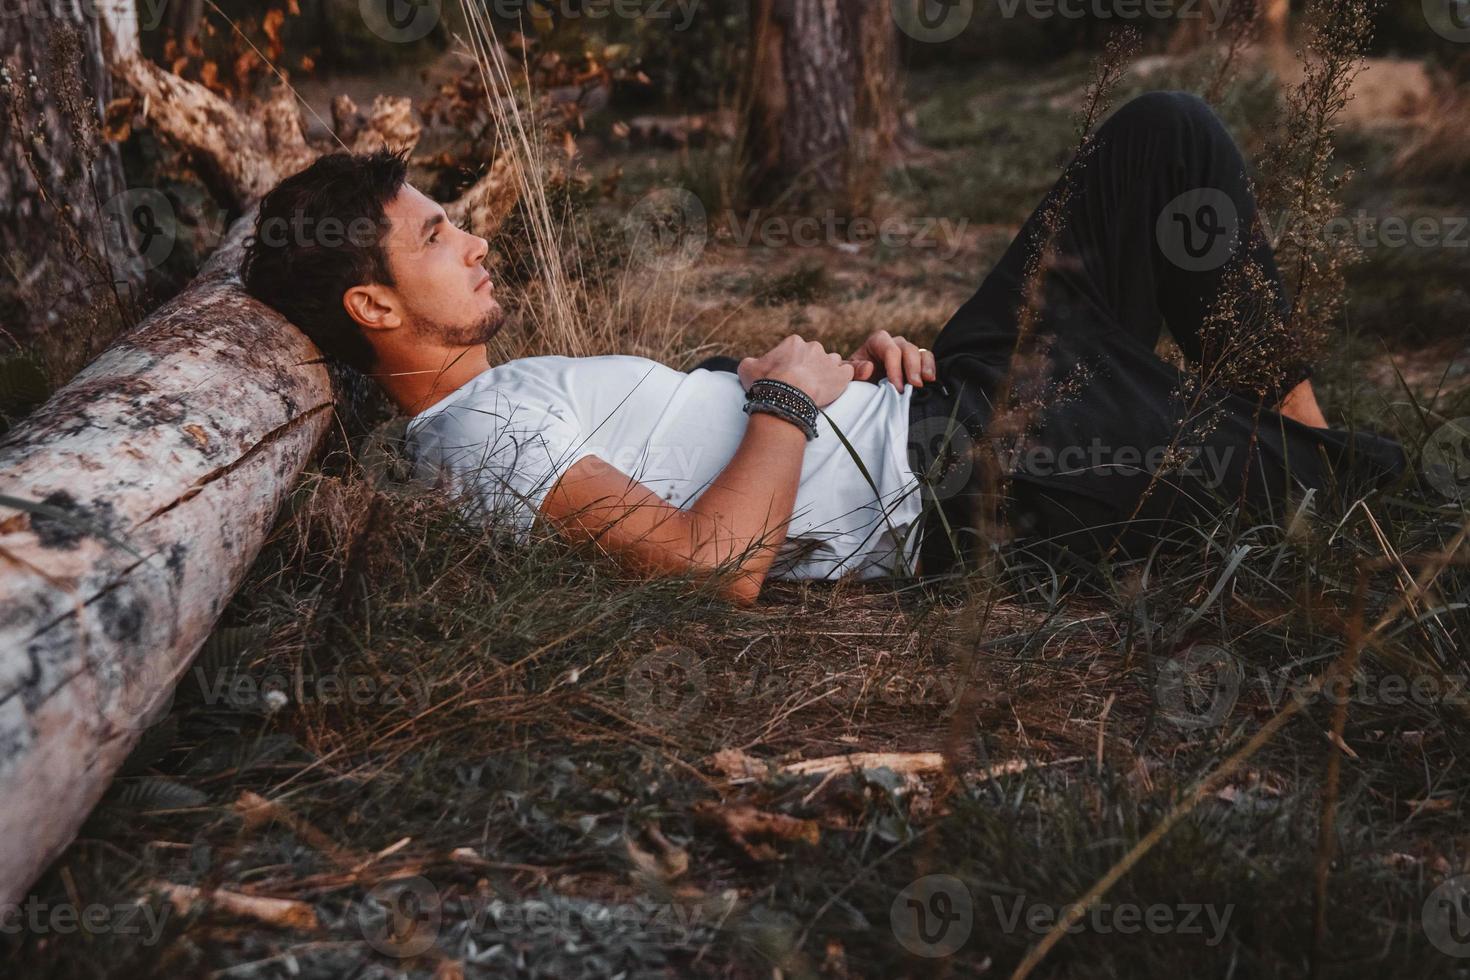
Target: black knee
1174, 111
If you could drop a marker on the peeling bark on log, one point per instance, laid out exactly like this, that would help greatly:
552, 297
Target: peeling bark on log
247, 154
159, 470
120, 18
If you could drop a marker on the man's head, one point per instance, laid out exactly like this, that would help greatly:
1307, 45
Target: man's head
370, 268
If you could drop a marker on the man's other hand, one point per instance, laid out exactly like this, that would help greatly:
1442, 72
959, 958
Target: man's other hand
899, 359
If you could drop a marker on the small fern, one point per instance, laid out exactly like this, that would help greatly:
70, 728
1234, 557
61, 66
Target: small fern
151, 793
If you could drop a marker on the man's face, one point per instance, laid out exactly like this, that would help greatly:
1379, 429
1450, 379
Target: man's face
447, 297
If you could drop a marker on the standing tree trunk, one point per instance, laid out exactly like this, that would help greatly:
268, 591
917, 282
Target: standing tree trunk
66, 261
823, 98
1272, 19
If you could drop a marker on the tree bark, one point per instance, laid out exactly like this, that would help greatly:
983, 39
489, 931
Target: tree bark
243, 155
62, 263
823, 98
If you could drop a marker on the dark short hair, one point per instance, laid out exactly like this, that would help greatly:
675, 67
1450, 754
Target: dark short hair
319, 232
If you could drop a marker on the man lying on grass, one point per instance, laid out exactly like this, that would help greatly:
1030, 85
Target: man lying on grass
803, 464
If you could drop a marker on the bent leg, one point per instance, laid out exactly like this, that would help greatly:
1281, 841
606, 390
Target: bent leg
1157, 220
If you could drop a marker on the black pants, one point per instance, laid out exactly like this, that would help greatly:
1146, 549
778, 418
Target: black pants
1105, 448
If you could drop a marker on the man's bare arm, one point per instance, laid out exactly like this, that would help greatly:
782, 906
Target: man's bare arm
740, 520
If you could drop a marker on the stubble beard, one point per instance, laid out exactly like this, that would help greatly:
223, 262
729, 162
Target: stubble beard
472, 334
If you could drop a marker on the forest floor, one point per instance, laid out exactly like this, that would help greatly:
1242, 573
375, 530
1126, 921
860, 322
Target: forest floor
442, 754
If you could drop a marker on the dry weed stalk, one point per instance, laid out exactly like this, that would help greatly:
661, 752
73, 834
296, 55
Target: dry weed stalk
1244, 30
1249, 345
522, 137
569, 311
1027, 386
1299, 185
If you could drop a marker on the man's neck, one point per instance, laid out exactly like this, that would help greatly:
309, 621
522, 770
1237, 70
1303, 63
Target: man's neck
418, 382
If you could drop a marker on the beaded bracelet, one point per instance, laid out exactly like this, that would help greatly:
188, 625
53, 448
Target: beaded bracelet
784, 401
771, 408
796, 408
786, 395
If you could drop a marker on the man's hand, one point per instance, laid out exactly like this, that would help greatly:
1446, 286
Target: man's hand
899, 358
823, 375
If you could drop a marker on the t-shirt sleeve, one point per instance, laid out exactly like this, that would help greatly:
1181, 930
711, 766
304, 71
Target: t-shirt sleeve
503, 455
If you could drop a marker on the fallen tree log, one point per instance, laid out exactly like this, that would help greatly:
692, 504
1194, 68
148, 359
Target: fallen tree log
131, 506
133, 503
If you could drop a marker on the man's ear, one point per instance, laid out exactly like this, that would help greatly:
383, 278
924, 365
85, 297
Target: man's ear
372, 307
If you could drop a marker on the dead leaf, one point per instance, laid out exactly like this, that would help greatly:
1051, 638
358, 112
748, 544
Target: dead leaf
736, 766
668, 863
743, 822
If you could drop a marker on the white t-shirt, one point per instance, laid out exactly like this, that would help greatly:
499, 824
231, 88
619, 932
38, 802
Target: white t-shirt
507, 436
